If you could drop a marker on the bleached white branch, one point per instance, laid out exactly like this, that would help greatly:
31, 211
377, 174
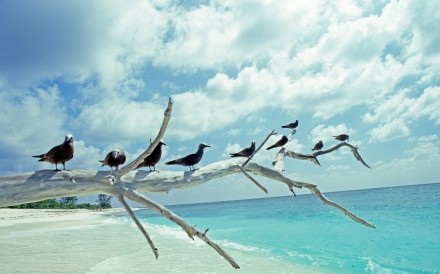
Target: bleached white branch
189, 229
138, 224
28, 187
278, 163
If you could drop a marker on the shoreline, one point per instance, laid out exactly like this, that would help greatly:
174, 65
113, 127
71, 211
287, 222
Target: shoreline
18, 216
55, 240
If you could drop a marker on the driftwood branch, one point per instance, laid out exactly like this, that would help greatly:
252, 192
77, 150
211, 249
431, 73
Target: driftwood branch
128, 183
189, 229
46, 184
138, 224
279, 164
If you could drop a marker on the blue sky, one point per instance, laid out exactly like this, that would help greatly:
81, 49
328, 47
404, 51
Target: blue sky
103, 71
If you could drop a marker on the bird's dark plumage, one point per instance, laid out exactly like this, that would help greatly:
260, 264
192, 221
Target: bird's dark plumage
191, 159
342, 137
247, 152
114, 158
279, 143
291, 125
59, 154
152, 159
318, 145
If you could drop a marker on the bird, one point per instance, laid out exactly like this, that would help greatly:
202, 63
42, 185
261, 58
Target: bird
114, 158
59, 154
281, 142
191, 159
154, 157
247, 152
291, 125
342, 137
318, 145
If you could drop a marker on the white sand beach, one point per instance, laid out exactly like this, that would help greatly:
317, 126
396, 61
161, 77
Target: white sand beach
12, 217
85, 241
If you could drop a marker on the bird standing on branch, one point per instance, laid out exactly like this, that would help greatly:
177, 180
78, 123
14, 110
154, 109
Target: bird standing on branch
291, 125
114, 158
279, 143
318, 145
247, 152
59, 154
342, 137
191, 159
152, 159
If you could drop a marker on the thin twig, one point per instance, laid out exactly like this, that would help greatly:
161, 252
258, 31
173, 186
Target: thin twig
138, 223
253, 180
325, 200
189, 229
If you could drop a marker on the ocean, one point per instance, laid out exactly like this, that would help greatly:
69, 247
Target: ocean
270, 235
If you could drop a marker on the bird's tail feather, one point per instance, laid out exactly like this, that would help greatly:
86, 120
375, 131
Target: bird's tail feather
39, 156
173, 162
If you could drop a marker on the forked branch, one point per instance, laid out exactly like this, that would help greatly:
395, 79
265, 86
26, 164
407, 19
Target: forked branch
278, 162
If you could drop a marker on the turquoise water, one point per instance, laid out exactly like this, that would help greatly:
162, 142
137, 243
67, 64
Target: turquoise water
301, 230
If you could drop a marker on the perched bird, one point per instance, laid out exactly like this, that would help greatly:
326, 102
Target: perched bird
291, 125
114, 158
152, 159
59, 154
318, 145
247, 152
281, 142
191, 159
342, 137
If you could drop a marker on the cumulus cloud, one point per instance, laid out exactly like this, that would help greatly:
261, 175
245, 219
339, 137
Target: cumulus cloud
121, 120
77, 41
398, 111
32, 121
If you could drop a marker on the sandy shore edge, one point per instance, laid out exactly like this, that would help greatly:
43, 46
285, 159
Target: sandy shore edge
11, 217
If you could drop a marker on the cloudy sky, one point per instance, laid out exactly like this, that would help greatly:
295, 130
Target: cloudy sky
104, 70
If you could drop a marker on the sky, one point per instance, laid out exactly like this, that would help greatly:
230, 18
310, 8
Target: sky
104, 70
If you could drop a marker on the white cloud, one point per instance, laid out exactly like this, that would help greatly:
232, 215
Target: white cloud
77, 41
120, 120
31, 121
398, 111
391, 130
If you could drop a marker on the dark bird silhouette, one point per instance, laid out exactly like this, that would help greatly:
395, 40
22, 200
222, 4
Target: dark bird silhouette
342, 137
114, 158
191, 159
318, 145
291, 125
279, 143
59, 154
152, 159
247, 152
